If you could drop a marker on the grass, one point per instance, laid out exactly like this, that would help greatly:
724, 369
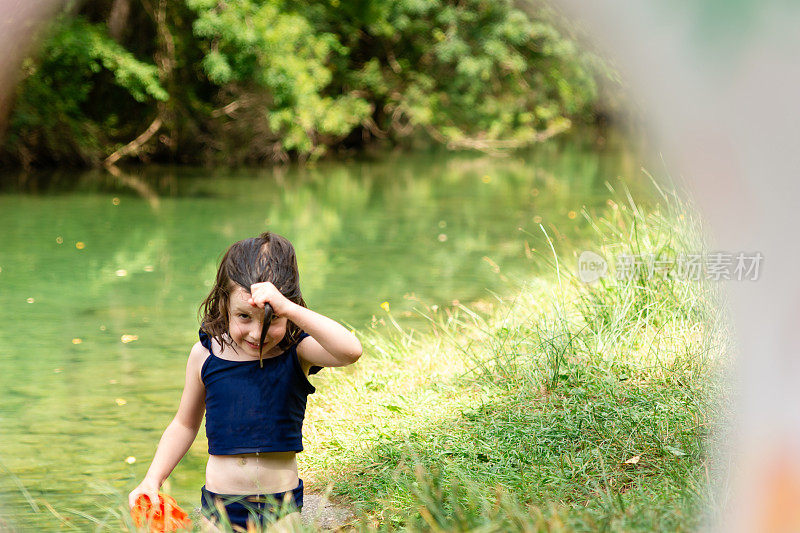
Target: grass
568, 407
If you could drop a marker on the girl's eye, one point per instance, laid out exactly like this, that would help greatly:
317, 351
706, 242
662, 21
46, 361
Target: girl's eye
242, 315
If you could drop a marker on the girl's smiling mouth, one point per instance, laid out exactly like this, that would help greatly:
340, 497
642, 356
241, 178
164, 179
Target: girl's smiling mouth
252, 345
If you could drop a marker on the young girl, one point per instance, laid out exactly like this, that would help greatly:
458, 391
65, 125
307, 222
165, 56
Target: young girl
249, 374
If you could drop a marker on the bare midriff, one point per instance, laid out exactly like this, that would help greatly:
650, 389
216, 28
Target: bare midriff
252, 473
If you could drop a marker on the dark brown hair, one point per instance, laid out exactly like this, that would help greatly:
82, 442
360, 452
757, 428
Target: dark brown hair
268, 257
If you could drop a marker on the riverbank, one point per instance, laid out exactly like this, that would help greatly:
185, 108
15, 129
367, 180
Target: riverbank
567, 406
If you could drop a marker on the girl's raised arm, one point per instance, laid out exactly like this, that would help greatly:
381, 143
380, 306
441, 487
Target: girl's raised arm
180, 433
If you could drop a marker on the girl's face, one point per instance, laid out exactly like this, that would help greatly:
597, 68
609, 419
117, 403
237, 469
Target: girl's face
245, 326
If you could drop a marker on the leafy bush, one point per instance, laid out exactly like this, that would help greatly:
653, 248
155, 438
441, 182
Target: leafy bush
252, 80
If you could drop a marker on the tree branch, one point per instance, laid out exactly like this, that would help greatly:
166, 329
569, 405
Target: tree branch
133, 146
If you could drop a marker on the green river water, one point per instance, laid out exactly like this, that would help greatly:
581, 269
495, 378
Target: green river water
90, 260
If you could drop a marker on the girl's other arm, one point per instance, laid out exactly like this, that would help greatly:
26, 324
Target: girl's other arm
331, 344
180, 433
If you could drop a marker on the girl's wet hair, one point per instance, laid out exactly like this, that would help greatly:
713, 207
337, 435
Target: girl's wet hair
268, 257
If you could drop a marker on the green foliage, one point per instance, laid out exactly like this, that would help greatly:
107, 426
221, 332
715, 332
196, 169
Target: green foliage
251, 78
472, 69
55, 112
262, 45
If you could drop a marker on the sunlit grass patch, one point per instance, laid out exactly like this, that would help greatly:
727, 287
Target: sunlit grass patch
568, 405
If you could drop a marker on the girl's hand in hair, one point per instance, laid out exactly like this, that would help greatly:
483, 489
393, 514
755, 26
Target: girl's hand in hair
267, 293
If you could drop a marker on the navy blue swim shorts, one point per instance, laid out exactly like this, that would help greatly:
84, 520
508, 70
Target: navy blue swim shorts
261, 509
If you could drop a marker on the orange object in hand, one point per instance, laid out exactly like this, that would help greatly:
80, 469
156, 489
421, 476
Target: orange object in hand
168, 516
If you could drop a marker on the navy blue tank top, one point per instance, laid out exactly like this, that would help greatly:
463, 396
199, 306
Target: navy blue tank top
252, 409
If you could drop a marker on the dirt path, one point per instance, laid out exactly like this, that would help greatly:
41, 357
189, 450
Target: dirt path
322, 512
